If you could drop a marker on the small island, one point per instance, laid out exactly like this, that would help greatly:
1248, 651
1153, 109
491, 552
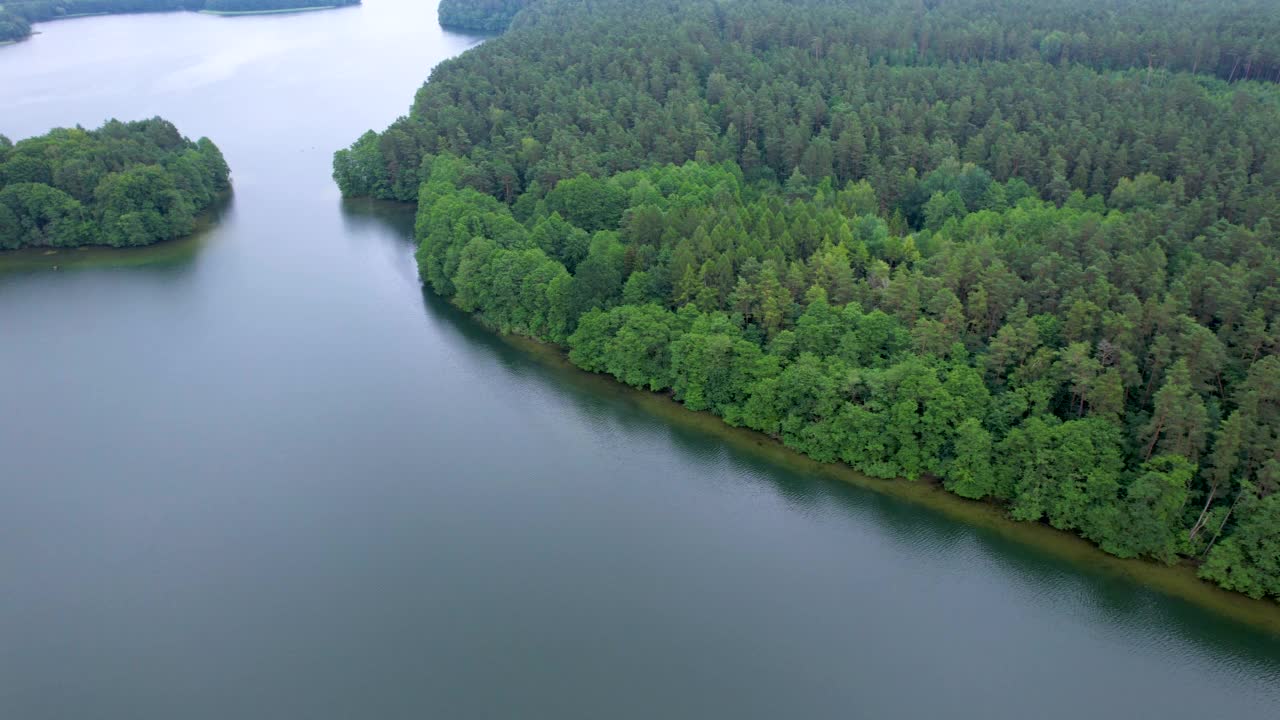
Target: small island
17, 16
124, 184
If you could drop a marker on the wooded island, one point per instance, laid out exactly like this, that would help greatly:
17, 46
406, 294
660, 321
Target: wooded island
124, 184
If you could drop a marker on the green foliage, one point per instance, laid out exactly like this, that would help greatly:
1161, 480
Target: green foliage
13, 27
713, 365
36, 215
800, 91
1048, 287
479, 15
588, 203
1249, 559
1154, 501
598, 279
969, 474
560, 240
359, 170
631, 343
141, 202
123, 184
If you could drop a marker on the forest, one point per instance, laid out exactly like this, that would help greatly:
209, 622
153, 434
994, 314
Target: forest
13, 27
1027, 250
16, 16
479, 15
124, 184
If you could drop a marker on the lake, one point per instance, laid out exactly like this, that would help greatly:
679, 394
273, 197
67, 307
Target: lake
258, 474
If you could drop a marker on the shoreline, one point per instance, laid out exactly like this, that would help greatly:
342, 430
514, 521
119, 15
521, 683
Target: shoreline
281, 11
24, 260
1177, 581
222, 13
179, 249
464, 30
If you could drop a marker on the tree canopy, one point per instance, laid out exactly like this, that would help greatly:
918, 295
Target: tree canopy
123, 184
479, 15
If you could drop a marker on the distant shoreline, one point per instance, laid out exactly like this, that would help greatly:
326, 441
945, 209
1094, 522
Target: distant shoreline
269, 12
227, 13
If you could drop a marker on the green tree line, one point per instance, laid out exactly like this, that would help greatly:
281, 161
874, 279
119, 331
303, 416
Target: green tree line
123, 184
13, 27
16, 16
1041, 284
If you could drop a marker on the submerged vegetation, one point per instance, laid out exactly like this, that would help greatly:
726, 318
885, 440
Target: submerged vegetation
121, 185
1026, 249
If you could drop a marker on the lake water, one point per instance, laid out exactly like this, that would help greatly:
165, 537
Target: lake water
259, 475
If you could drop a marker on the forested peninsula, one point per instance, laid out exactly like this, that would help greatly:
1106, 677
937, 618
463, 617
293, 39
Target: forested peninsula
1024, 248
121, 185
17, 16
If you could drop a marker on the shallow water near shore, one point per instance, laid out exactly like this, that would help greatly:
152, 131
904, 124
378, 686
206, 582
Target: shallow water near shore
260, 474
1178, 581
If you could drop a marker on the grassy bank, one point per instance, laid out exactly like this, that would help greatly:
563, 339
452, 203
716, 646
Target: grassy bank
1178, 581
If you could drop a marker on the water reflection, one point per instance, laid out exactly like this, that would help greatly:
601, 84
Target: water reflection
173, 259
392, 222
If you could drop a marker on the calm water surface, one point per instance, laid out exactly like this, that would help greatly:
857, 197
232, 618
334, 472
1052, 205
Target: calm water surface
259, 475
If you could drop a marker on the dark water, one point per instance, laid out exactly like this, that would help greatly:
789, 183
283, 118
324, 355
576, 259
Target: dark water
259, 475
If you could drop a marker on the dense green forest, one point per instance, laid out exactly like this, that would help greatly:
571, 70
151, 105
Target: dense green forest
16, 16
479, 15
123, 184
927, 240
13, 27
